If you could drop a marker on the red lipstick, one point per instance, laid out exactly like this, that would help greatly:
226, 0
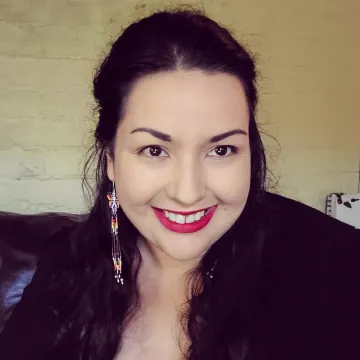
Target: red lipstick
187, 227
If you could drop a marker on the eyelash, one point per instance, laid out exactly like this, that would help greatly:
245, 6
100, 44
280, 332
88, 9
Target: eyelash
234, 150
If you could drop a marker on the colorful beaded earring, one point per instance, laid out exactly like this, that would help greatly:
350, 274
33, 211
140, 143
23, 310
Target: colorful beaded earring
116, 251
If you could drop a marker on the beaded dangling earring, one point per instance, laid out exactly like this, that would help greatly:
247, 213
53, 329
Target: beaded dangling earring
116, 251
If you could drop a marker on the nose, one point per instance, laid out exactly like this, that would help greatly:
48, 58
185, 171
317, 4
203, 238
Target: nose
188, 185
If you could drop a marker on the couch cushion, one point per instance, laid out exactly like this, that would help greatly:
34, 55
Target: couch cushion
22, 238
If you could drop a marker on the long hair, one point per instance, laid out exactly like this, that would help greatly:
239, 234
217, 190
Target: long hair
94, 308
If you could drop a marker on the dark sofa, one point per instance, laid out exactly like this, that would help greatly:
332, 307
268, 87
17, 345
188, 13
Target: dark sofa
22, 239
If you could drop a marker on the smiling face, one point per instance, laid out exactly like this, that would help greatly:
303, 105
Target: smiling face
183, 147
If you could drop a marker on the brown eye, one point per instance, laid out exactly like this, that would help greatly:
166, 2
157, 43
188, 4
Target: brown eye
223, 151
153, 151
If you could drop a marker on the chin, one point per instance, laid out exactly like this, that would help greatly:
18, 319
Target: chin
186, 255
185, 247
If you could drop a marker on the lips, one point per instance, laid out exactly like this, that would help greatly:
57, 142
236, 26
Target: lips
187, 227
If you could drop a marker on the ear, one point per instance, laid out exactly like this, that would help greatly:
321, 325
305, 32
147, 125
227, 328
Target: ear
110, 166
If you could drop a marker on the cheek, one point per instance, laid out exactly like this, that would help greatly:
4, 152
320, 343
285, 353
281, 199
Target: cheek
232, 185
134, 184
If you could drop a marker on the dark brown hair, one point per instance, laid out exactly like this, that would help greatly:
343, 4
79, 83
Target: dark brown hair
95, 308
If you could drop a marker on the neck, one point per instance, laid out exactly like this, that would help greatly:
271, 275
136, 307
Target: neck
167, 277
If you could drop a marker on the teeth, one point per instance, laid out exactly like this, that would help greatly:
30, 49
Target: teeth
181, 219
199, 215
190, 219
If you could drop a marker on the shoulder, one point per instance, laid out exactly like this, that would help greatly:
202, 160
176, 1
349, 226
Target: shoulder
300, 222
310, 275
308, 243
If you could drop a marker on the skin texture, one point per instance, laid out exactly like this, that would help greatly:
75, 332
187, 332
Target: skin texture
188, 174
185, 174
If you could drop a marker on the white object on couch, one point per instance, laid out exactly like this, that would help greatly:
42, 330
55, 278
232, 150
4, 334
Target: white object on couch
344, 207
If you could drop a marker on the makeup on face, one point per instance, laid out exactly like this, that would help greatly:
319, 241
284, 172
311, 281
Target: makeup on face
185, 222
182, 160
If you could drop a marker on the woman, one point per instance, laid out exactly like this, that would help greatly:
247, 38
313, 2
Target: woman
184, 255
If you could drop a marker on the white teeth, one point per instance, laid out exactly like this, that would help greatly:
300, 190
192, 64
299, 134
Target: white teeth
199, 215
181, 219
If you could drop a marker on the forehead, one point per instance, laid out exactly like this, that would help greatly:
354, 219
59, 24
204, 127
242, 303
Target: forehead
183, 101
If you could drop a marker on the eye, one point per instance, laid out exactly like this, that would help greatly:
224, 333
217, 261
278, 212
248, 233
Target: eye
223, 151
153, 151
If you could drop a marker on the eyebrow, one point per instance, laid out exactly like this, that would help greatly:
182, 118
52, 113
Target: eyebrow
166, 137
227, 134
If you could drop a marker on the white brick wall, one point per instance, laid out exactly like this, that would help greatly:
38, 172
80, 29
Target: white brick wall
309, 58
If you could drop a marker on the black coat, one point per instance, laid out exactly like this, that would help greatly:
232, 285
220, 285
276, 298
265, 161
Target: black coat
310, 306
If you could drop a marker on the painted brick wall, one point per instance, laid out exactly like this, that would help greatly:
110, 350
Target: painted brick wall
309, 85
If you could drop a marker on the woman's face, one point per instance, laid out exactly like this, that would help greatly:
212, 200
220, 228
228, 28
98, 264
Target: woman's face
182, 160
